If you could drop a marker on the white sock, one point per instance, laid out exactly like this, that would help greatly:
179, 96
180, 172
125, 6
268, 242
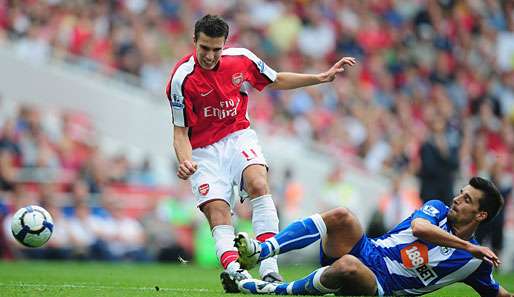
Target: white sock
317, 282
268, 265
224, 238
233, 267
320, 225
265, 222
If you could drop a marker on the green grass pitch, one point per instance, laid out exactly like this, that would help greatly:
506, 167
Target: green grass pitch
75, 279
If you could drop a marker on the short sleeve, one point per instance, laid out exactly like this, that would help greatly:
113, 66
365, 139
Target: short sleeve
434, 211
482, 281
182, 111
177, 93
259, 74
181, 105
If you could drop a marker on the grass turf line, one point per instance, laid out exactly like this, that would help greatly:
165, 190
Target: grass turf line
56, 279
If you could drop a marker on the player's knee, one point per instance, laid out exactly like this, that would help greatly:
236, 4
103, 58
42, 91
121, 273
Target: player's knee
341, 216
257, 187
346, 267
217, 212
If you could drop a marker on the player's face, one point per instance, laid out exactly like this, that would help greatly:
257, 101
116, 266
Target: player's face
208, 50
465, 207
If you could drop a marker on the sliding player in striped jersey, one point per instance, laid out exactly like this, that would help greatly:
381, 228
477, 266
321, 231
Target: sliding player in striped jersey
432, 248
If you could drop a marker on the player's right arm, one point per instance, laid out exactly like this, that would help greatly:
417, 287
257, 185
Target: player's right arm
425, 230
183, 151
425, 226
182, 115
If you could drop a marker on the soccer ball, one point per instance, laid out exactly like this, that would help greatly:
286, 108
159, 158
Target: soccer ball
32, 226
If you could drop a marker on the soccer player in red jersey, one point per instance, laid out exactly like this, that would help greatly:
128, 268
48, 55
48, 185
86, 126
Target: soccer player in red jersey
208, 94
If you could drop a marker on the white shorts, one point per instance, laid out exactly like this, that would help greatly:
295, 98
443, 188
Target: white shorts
221, 165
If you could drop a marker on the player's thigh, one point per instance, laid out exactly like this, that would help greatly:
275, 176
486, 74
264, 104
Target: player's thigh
343, 232
351, 276
247, 155
210, 182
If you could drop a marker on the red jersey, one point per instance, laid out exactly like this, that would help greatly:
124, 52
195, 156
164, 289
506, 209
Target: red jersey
213, 103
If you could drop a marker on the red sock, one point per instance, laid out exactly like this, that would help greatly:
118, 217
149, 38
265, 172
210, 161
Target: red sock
228, 257
264, 236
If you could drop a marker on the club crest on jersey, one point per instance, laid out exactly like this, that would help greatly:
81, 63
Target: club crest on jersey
203, 189
237, 79
430, 210
445, 251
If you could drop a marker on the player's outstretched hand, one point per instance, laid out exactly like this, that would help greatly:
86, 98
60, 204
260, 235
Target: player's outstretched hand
186, 168
338, 67
485, 253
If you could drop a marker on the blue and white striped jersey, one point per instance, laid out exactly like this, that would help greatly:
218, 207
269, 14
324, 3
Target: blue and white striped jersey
417, 267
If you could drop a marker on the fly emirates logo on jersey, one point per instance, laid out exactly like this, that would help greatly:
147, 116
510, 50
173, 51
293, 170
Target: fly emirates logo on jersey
415, 257
226, 108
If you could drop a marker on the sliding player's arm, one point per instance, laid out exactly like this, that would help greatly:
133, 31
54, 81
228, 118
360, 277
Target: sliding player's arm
481, 280
426, 231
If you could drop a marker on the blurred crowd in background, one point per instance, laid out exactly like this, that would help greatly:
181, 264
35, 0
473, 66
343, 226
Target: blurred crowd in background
432, 98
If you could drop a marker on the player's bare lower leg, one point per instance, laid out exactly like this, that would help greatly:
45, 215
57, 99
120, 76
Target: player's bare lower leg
338, 229
344, 273
218, 215
264, 214
339, 277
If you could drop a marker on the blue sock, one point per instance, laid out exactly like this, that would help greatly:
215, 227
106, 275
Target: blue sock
297, 235
309, 285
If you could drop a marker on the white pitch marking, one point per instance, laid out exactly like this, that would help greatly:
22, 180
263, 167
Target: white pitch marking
74, 286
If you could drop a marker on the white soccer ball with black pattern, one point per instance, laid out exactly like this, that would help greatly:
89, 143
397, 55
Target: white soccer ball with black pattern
32, 226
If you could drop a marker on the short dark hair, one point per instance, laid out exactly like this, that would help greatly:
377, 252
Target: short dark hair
212, 26
491, 200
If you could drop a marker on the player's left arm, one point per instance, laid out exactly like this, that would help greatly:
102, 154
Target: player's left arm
425, 230
290, 80
483, 282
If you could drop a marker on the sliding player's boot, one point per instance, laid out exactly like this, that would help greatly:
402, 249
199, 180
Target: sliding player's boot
273, 277
256, 286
